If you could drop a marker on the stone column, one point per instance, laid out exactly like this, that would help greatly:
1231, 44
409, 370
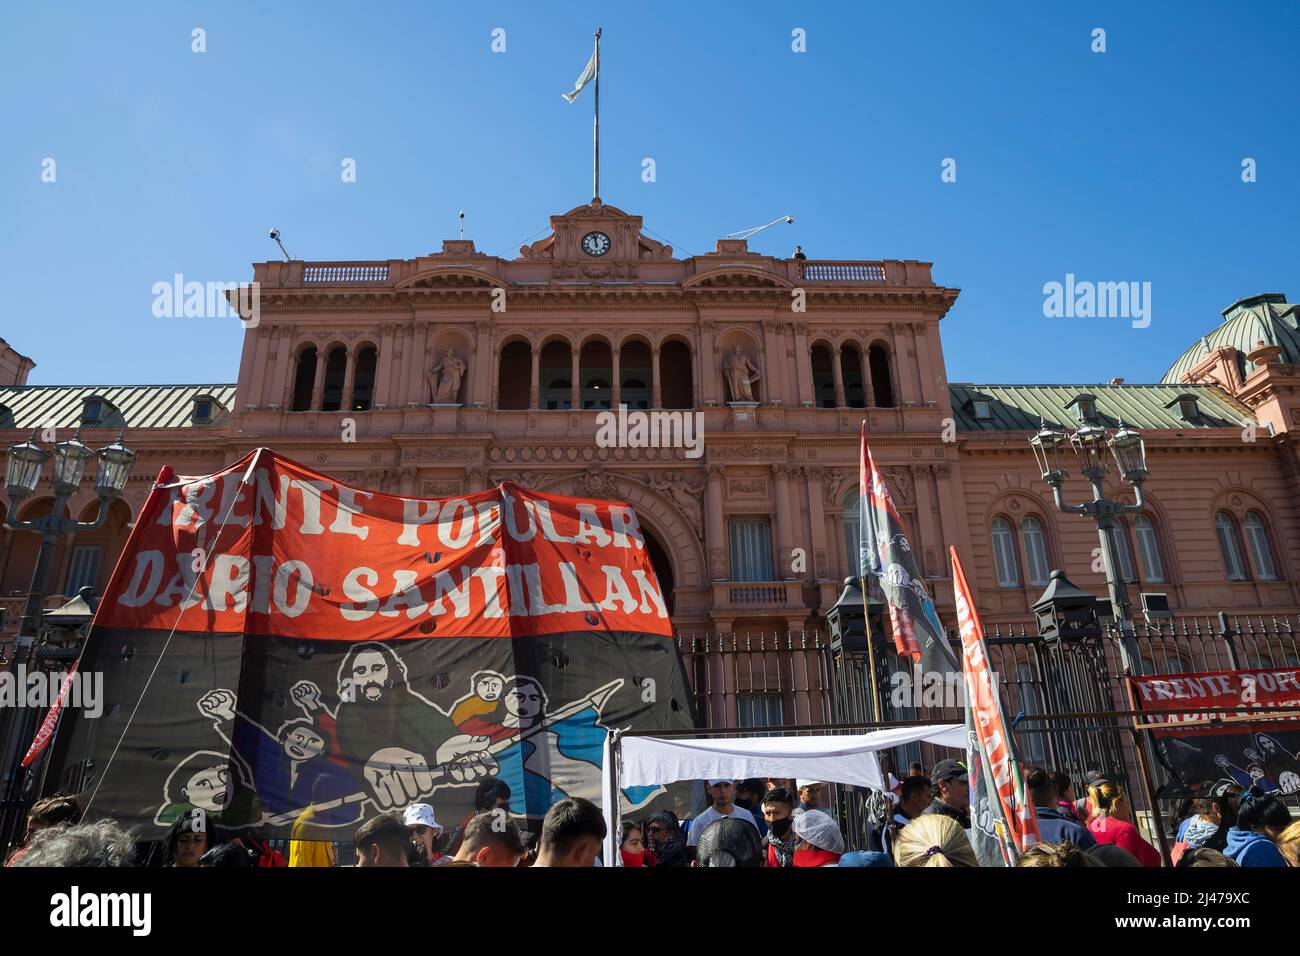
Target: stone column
259, 376
282, 356
803, 363
575, 385
708, 364
417, 391
868, 393
656, 392
480, 370
948, 515
776, 371
715, 528
349, 380
535, 379
837, 373
616, 387
925, 516
402, 356
816, 521
784, 541
925, 384
318, 383
384, 365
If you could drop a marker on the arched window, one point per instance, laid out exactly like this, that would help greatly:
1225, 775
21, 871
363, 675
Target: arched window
882, 383
1148, 549
595, 372
1004, 554
514, 378
1161, 658
676, 375
1261, 552
852, 523
363, 379
1122, 552
823, 377
635, 371
556, 369
1031, 532
1230, 546
304, 380
851, 373
336, 366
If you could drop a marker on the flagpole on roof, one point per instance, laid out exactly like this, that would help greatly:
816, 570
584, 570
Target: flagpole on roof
595, 158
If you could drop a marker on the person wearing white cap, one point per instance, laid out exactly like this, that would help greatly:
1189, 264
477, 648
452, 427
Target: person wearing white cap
810, 795
425, 831
819, 842
723, 795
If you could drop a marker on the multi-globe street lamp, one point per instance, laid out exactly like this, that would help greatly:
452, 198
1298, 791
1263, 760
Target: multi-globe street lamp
1090, 443
23, 470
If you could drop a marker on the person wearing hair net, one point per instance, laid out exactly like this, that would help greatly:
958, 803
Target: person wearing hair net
818, 840
729, 842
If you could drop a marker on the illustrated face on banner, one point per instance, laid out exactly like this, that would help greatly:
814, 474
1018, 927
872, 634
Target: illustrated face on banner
209, 789
303, 742
525, 700
204, 782
369, 675
488, 685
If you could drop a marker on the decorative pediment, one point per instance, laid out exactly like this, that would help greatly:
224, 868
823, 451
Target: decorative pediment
626, 242
736, 277
451, 277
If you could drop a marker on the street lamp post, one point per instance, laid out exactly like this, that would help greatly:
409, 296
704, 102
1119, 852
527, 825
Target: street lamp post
22, 475
1089, 443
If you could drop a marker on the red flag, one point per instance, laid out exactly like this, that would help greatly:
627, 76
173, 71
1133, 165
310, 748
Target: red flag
1012, 808
886, 556
46, 730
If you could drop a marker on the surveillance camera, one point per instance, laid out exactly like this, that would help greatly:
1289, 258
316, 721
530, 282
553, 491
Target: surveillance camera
462, 214
789, 219
274, 233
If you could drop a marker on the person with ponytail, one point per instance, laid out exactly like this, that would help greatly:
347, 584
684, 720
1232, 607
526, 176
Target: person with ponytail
1112, 822
933, 840
1260, 821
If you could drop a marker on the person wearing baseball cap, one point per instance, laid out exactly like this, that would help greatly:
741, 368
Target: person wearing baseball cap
810, 795
723, 794
951, 792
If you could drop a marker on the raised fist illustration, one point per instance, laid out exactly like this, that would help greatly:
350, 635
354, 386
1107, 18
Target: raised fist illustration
467, 758
306, 695
397, 776
218, 704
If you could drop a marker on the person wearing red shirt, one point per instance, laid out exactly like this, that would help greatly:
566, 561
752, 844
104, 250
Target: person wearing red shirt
1112, 822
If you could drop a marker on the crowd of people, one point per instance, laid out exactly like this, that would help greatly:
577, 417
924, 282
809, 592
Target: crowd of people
771, 822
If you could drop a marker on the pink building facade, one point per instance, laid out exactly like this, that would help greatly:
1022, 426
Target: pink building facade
446, 373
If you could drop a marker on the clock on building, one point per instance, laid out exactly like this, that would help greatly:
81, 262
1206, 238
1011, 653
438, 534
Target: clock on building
595, 244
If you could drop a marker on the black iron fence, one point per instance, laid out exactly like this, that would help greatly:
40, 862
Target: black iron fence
786, 682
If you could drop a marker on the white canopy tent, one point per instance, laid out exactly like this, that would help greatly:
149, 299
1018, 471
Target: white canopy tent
632, 761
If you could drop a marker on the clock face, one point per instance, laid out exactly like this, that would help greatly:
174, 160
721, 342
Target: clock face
595, 243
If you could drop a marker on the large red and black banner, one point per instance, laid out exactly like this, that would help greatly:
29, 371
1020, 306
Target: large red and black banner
278, 646
1200, 756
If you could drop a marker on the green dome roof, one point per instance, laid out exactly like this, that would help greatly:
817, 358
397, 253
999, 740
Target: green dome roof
1267, 318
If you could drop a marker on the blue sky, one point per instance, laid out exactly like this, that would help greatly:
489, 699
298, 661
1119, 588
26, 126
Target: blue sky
1115, 166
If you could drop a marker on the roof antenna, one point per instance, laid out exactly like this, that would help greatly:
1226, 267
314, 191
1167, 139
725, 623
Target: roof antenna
462, 223
275, 234
746, 233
